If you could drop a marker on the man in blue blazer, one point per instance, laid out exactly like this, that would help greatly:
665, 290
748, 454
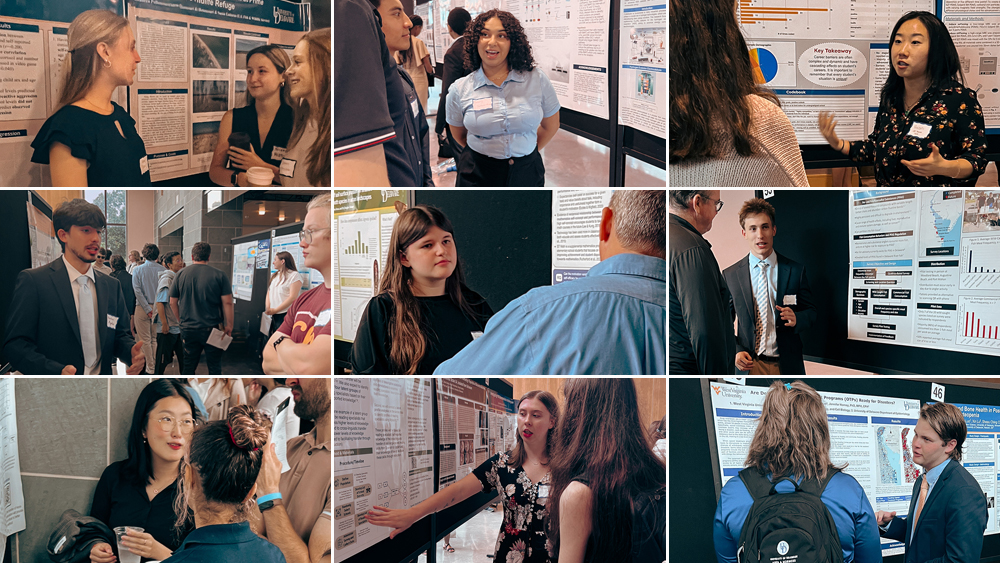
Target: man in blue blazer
948, 513
768, 282
66, 318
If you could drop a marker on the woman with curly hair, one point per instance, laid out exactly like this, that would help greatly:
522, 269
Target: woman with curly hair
509, 106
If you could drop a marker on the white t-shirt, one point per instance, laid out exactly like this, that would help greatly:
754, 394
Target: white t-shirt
280, 288
292, 171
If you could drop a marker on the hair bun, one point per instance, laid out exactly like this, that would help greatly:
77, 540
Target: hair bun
251, 430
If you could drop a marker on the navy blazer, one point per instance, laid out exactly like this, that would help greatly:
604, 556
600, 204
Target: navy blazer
743, 306
951, 524
43, 333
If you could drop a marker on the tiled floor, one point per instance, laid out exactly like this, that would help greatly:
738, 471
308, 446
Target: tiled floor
473, 541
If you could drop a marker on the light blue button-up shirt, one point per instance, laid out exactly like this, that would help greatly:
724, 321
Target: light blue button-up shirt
144, 280
506, 125
610, 322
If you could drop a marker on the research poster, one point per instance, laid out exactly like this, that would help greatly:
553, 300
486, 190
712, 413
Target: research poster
460, 428
13, 520
362, 221
382, 454
925, 269
244, 258
290, 243
44, 245
980, 454
576, 220
873, 435
642, 77
973, 27
503, 423
825, 55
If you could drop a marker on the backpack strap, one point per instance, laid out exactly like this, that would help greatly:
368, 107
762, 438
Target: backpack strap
816, 486
757, 484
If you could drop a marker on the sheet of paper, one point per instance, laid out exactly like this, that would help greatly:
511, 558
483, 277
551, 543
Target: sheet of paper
219, 339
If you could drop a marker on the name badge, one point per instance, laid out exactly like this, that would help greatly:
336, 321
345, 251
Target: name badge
543, 491
482, 103
476, 334
112, 321
919, 130
287, 168
415, 106
277, 153
143, 165
790, 300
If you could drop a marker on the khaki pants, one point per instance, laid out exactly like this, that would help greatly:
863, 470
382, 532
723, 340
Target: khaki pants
145, 329
764, 367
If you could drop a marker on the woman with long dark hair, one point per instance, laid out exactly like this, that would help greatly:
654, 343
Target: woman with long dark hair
140, 491
521, 476
608, 499
424, 313
284, 286
725, 128
929, 130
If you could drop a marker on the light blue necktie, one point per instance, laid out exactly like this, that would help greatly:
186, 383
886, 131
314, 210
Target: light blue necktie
763, 306
88, 326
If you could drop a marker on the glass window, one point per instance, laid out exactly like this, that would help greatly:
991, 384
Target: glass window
116, 207
113, 205
117, 241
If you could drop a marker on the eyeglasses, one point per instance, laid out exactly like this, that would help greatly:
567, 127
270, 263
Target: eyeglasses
718, 203
187, 425
307, 236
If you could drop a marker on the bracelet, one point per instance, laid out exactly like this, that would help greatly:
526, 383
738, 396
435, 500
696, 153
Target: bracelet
266, 498
842, 142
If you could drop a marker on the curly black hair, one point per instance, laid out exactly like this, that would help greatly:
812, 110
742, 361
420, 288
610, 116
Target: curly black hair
519, 56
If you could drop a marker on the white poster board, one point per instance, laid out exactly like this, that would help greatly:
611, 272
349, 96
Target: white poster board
576, 218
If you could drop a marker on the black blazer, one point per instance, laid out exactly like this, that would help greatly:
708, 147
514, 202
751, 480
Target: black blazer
743, 306
43, 335
951, 524
454, 68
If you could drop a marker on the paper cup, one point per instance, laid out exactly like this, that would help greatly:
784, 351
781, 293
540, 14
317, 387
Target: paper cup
260, 177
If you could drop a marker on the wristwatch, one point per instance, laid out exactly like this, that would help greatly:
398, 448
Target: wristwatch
268, 504
278, 341
234, 177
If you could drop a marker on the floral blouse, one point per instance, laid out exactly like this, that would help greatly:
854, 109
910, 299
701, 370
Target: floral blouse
522, 537
956, 126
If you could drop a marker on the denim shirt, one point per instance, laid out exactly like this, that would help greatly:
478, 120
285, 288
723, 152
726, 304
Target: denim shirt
610, 322
502, 120
225, 543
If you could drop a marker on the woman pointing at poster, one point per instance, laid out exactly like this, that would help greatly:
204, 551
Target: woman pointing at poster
91, 141
929, 130
505, 111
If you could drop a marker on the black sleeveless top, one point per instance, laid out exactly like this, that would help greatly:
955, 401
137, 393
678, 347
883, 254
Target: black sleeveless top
245, 121
114, 160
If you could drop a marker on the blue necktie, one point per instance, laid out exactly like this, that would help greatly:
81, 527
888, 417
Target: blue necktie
88, 326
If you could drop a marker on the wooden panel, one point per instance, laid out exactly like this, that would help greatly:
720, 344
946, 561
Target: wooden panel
651, 393
55, 197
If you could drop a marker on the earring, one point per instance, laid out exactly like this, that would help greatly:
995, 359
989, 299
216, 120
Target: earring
107, 63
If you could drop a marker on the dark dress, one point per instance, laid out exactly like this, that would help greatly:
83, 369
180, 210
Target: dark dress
115, 161
522, 537
118, 501
445, 326
245, 121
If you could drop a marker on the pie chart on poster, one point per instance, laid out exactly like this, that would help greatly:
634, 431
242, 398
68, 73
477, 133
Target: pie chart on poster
765, 65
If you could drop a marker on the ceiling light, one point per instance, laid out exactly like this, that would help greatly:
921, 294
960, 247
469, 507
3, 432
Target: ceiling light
260, 210
281, 215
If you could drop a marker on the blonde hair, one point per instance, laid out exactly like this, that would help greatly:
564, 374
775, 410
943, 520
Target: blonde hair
320, 201
83, 63
792, 437
318, 159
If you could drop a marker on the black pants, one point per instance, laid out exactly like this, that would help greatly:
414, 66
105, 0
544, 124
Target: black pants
166, 346
476, 170
276, 321
194, 342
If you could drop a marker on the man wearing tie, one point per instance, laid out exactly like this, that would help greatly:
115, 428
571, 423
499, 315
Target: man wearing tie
770, 299
948, 508
66, 318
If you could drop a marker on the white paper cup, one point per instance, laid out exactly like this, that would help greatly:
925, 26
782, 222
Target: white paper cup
259, 177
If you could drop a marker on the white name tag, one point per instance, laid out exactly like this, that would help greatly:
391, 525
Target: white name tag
112, 321
415, 106
482, 103
277, 153
143, 165
543, 491
287, 168
790, 300
919, 130
476, 334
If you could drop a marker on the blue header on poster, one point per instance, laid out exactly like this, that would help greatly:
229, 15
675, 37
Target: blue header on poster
982, 418
509, 405
54, 10
278, 14
11, 26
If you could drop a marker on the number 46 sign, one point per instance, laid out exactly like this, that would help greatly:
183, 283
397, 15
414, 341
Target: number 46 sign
937, 392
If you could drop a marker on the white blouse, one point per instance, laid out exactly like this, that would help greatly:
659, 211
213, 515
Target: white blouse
280, 289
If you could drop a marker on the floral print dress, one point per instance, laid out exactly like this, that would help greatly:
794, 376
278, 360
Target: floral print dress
522, 537
948, 116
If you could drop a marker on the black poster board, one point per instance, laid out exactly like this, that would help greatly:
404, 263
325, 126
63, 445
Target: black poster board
15, 218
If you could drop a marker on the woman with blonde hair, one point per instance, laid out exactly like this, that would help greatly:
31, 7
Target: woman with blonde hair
521, 476
91, 141
792, 441
307, 161
266, 120
424, 314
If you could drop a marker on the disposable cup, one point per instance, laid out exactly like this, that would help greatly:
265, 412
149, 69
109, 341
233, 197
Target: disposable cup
260, 177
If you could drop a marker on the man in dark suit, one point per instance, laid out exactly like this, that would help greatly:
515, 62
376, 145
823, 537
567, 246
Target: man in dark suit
948, 513
770, 298
67, 318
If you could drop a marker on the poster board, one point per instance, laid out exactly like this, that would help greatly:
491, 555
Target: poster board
576, 219
925, 269
642, 78
193, 71
362, 225
45, 246
381, 454
244, 259
462, 422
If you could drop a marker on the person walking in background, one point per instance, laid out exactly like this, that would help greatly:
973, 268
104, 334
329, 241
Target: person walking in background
134, 259
168, 328
202, 298
454, 68
124, 278
144, 280
701, 331
417, 61
792, 441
